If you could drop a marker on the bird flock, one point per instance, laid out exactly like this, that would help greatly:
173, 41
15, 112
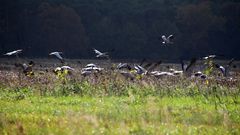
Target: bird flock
133, 71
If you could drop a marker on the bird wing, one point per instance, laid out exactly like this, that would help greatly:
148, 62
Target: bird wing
105, 53
182, 65
221, 68
212, 56
164, 37
124, 65
121, 65
18, 51
7, 54
205, 58
13, 52
193, 61
10, 53
154, 66
97, 52
67, 67
230, 62
226, 69
54, 53
91, 65
141, 69
147, 65
58, 56
142, 61
170, 37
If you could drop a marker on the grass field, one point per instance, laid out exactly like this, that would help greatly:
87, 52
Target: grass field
108, 103
119, 115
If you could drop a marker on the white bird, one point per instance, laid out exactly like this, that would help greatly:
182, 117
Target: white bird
58, 55
16, 52
167, 40
159, 74
209, 57
91, 65
100, 54
98, 69
92, 69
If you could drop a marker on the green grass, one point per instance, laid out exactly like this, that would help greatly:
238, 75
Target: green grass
110, 104
118, 115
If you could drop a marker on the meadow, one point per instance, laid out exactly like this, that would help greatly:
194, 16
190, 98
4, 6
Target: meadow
109, 103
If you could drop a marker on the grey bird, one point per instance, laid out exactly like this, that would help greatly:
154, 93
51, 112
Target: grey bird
167, 40
124, 66
140, 70
100, 54
26, 68
187, 68
58, 55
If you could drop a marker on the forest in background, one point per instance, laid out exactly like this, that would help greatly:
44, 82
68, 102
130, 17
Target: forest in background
128, 29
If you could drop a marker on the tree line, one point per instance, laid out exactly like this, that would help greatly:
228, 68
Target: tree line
126, 28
